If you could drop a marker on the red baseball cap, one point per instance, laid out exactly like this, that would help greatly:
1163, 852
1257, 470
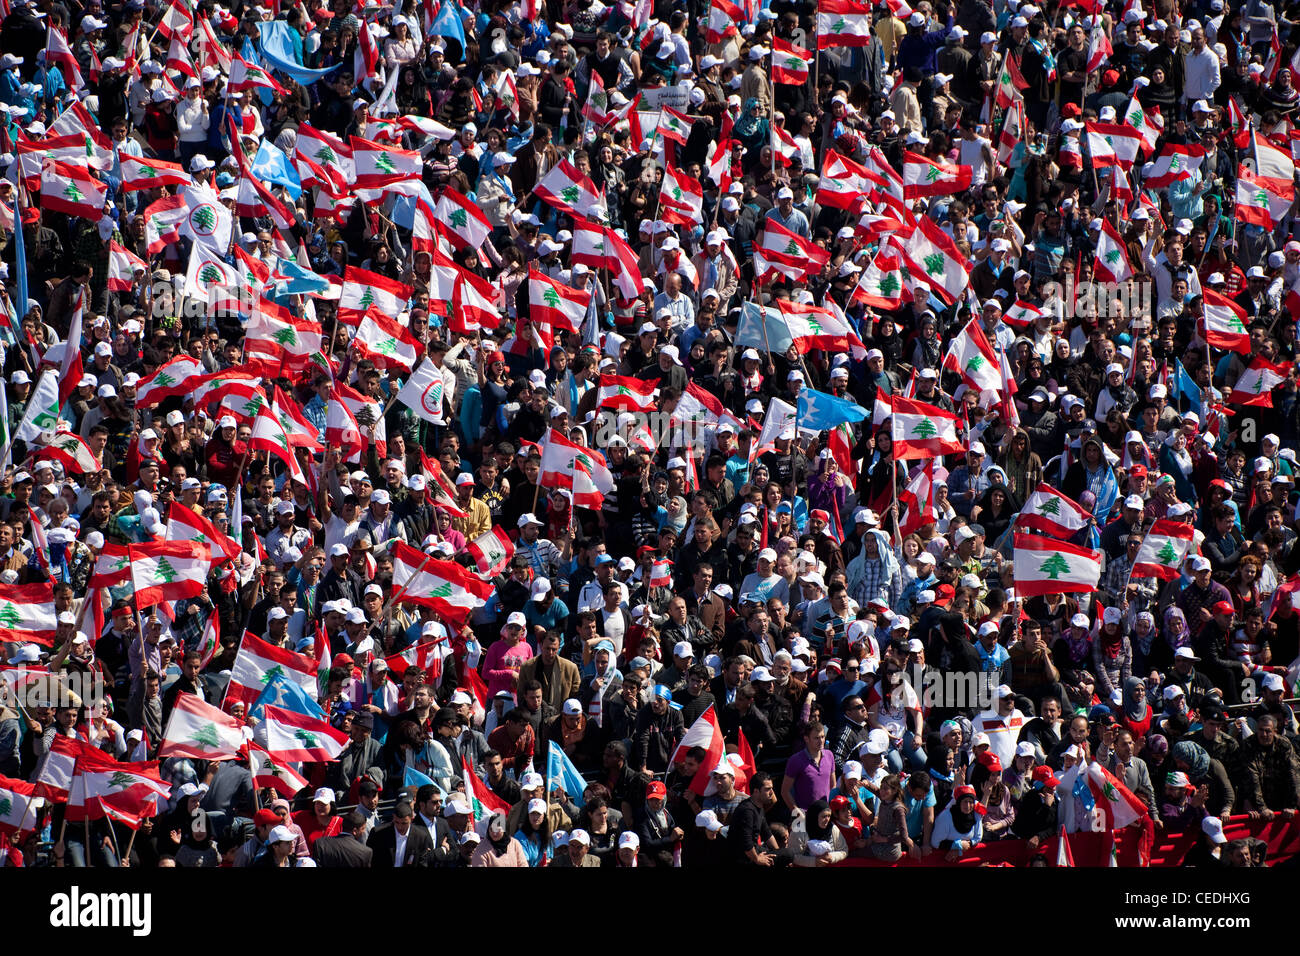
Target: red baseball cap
497, 356
1138, 471
266, 817
655, 789
989, 759
1224, 607
1045, 776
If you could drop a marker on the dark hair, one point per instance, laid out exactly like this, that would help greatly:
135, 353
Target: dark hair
403, 811
530, 685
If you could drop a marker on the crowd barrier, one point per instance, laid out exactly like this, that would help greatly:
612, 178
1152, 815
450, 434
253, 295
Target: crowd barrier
1093, 849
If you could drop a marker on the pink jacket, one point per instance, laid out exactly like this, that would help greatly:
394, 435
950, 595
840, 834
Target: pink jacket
502, 664
486, 856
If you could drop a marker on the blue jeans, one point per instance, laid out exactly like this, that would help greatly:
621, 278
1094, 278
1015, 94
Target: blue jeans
910, 749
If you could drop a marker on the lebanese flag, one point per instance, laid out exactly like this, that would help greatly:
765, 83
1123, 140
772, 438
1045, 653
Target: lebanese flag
567, 189
675, 126
1256, 384
57, 769
249, 76
162, 222
681, 199
623, 264
200, 731
177, 23
971, 355
1063, 855
257, 661
1010, 84
491, 551
270, 435
1257, 203
917, 501
328, 152
1148, 131
138, 173
596, 109
627, 394
927, 177
59, 53
1275, 168
268, 771
1022, 314
1046, 566
475, 304
1164, 549
1111, 260
447, 587
70, 367
1223, 325
842, 23
702, 408
483, 803
297, 737
209, 641
1119, 806
387, 342
935, 259
703, 732
463, 223
73, 453
1176, 161
27, 613
661, 574
589, 244
843, 182
566, 464
1013, 131
123, 792
555, 304
1111, 144
815, 328
441, 491
722, 23
797, 255
71, 189
427, 656
920, 430
378, 166
790, 63
882, 283
122, 267
342, 430
18, 806
1120, 187
168, 571
184, 524
1048, 512
1099, 48
172, 380
363, 289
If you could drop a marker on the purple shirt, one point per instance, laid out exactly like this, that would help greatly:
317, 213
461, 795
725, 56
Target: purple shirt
811, 782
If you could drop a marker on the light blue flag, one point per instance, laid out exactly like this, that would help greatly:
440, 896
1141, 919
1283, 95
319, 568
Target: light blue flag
277, 51
270, 165
749, 331
289, 278
413, 778
448, 23
280, 691
560, 772
403, 214
821, 411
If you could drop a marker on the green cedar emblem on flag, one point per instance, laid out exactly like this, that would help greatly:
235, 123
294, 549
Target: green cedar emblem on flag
9, 615
165, 571
385, 163
934, 263
924, 429
1167, 555
570, 194
207, 736
1054, 566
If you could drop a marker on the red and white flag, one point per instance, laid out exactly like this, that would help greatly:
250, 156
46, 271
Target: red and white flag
290, 735
1257, 202
971, 355
379, 166
491, 551
566, 464
1256, 384
140, 173
1047, 566
556, 304
917, 501
1223, 325
1111, 262
200, 731
723, 22
790, 63
463, 222
928, 177
1176, 161
1164, 549
681, 198
789, 253
387, 342
257, 661
270, 771
73, 190
447, 587
1047, 511
567, 189
627, 394
936, 260
920, 430
27, 614
842, 23
123, 264
704, 732
363, 289
815, 328
843, 182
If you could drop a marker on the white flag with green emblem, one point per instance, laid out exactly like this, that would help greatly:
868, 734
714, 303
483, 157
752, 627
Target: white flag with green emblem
200, 731
42, 412
423, 393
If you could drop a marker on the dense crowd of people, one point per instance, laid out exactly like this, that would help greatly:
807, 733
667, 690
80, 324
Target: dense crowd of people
645, 434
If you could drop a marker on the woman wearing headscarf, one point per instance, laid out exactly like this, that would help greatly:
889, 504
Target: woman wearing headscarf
752, 130
1022, 467
941, 765
1280, 95
676, 515
828, 488
499, 849
1176, 460
997, 507
1174, 634
1112, 657
1061, 367
960, 826
1142, 639
1203, 771
815, 839
1134, 713
1092, 472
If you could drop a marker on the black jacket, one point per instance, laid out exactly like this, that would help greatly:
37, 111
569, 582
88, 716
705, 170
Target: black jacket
383, 841
344, 851
655, 739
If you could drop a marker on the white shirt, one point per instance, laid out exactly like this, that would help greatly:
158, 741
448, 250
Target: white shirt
1003, 732
1200, 75
399, 850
